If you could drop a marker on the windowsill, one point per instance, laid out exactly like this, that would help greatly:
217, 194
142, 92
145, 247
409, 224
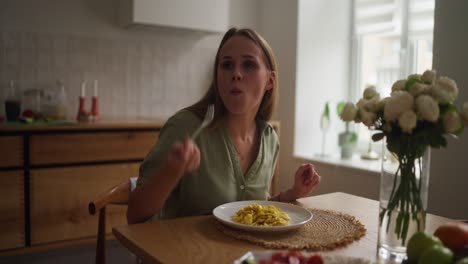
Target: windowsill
355, 162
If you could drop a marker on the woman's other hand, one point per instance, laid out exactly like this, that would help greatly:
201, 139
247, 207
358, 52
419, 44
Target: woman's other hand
184, 156
305, 180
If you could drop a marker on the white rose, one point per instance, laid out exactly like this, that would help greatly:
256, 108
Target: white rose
444, 90
382, 103
428, 76
373, 104
398, 85
361, 103
349, 112
398, 103
464, 114
427, 108
452, 122
367, 117
407, 121
418, 88
441, 96
369, 92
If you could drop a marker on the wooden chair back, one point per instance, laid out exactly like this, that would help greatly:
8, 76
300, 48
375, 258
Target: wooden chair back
119, 194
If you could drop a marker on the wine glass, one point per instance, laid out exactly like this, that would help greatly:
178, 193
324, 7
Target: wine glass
324, 126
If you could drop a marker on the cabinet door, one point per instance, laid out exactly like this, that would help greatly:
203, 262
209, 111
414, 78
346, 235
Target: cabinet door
11, 210
90, 147
60, 197
204, 15
12, 151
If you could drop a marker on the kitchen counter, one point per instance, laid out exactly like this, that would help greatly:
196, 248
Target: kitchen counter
105, 124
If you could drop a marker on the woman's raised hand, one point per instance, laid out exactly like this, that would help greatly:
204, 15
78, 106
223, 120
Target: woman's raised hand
184, 156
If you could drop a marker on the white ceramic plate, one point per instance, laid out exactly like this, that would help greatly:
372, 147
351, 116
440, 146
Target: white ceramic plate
299, 216
258, 256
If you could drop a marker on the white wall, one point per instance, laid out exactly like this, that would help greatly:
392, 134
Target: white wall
449, 167
279, 27
282, 34
323, 61
148, 72
245, 13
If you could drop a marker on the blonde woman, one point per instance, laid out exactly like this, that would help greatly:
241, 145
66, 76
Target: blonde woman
235, 157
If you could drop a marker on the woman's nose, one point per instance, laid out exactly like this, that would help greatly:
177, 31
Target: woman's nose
236, 76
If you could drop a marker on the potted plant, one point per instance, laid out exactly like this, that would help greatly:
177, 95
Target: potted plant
347, 139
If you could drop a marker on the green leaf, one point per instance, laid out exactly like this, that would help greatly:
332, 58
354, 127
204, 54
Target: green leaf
326, 111
448, 108
410, 83
377, 136
340, 107
460, 130
353, 137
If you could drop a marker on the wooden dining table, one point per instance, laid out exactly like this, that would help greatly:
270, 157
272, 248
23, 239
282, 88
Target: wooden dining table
197, 240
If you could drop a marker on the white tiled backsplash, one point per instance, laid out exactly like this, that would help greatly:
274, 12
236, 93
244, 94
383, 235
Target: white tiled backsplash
149, 77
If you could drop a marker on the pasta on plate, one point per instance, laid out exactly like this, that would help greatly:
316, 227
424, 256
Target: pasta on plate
261, 215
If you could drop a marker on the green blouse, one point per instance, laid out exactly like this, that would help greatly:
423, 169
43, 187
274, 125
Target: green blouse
219, 179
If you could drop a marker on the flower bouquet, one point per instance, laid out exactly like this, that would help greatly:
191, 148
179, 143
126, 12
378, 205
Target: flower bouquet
416, 117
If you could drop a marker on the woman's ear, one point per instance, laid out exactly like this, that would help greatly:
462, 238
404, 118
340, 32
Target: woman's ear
271, 80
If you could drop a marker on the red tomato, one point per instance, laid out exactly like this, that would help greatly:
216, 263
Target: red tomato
296, 257
315, 259
280, 257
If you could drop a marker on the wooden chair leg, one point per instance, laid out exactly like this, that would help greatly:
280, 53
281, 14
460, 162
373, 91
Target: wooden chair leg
101, 238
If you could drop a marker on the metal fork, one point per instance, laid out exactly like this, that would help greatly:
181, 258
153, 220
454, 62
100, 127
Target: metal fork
209, 115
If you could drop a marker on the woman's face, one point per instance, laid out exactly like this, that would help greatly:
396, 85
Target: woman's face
242, 77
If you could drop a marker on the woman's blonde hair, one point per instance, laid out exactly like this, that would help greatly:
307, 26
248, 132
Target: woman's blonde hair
268, 104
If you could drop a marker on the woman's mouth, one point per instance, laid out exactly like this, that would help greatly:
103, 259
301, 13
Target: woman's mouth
236, 91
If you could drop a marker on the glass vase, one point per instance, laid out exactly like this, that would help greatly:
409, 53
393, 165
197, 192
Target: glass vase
404, 187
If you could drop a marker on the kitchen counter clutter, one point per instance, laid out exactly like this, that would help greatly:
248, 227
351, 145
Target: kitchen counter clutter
49, 172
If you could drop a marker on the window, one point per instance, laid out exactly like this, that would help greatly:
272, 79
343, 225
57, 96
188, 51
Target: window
369, 42
391, 39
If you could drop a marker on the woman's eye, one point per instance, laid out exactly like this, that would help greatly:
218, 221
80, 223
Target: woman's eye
227, 65
249, 65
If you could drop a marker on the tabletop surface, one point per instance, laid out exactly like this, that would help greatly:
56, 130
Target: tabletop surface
197, 240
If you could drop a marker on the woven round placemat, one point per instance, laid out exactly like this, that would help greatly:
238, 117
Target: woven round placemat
326, 231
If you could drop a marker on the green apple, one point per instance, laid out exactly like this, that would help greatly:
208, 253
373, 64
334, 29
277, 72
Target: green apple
436, 254
418, 243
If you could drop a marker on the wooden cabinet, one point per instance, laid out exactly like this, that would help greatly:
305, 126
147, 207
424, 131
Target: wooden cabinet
48, 175
60, 196
200, 15
11, 210
12, 218
89, 147
12, 151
